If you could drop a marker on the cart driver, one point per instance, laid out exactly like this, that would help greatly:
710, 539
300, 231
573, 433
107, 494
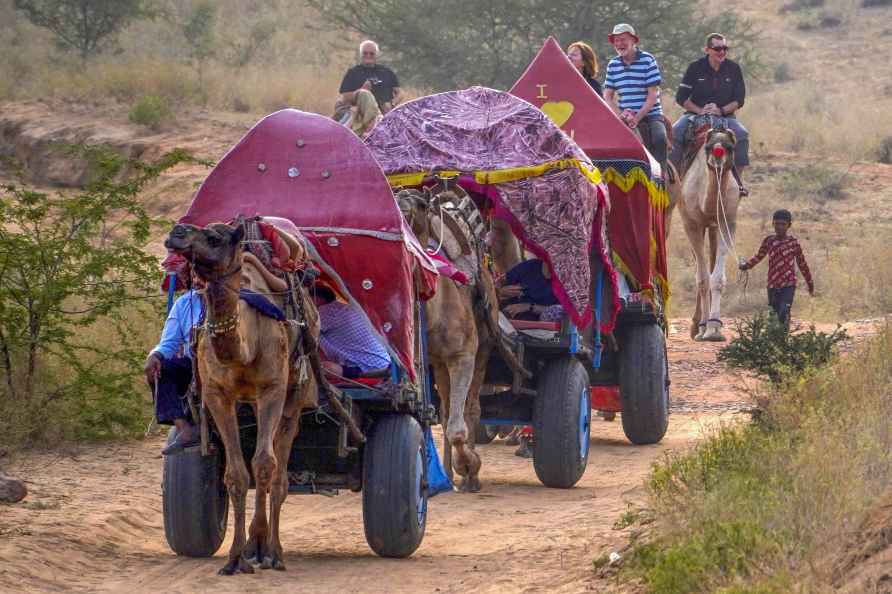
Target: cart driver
350, 346
168, 367
527, 294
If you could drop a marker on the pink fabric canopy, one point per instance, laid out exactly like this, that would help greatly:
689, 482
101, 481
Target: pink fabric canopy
318, 175
536, 177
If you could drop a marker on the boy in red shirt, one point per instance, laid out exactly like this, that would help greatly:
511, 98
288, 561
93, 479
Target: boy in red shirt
784, 253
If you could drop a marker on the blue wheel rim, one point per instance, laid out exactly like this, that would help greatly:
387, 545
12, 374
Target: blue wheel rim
585, 418
420, 499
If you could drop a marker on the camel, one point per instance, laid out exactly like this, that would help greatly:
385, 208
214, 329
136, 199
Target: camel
460, 338
244, 356
708, 205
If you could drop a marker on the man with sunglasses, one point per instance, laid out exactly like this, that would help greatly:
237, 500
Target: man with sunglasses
713, 85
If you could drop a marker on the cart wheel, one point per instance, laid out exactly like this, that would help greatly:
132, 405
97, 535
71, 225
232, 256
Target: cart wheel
561, 423
195, 502
642, 384
484, 434
394, 486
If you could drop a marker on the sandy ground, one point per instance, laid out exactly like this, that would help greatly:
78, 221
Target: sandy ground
92, 521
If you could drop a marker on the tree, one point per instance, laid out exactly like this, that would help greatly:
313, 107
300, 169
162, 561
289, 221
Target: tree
86, 26
73, 281
446, 45
199, 33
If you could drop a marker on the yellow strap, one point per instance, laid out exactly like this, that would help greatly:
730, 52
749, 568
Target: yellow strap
500, 176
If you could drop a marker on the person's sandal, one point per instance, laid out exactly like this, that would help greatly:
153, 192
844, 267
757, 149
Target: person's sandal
744, 192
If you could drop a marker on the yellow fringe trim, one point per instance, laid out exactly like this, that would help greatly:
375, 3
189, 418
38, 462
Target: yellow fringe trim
658, 195
659, 281
500, 176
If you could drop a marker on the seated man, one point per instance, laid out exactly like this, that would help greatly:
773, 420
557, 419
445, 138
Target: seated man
713, 85
526, 292
168, 367
632, 90
351, 347
368, 90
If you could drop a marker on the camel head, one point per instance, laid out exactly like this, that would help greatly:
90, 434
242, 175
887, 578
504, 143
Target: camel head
215, 250
414, 207
719, 147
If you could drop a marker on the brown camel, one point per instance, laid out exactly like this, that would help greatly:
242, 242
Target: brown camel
708, 205
460, 337
244, 356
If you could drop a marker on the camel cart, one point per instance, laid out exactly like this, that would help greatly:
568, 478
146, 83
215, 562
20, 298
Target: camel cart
523, 181
633, 377
310, 176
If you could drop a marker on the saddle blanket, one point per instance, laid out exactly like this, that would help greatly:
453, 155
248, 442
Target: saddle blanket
447, 268
262, 304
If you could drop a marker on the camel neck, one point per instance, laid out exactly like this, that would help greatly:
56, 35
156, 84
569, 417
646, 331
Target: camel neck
223, 317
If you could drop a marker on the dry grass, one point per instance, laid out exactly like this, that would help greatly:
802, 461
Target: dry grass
762, 507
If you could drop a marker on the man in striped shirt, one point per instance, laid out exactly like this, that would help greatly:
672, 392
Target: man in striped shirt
634, 75
784, 254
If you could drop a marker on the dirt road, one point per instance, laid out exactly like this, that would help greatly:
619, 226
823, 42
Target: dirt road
93, 520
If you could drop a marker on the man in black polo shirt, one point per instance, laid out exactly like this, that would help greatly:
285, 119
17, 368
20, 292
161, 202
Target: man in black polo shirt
713, 85
371, 76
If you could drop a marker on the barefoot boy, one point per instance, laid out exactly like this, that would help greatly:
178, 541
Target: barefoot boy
784, 253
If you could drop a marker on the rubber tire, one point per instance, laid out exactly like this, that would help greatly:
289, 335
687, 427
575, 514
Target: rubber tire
194, 501
642, 384
390, 490
557, 457
484, 434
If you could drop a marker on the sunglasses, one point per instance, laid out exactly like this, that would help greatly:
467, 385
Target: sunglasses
720, 48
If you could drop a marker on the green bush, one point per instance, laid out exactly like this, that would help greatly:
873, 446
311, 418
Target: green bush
767, 507
782, 73
76, 290
151, 111
816, 181
765, 347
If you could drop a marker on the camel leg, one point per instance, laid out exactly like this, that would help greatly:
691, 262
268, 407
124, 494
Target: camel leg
467, 462
288, 430
236, 477
269, 413
717, 281
441, 377
472, 415
697, 239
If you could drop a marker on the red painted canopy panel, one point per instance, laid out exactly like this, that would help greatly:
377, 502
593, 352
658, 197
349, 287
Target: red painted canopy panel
553, 84
635, 223
316, 173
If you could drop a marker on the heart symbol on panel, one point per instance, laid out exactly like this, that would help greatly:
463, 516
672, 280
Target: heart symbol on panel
558, 111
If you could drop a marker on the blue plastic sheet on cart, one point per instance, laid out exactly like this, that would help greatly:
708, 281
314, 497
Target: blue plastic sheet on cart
437, 481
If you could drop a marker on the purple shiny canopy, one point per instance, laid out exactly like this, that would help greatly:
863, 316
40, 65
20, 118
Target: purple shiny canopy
509, 151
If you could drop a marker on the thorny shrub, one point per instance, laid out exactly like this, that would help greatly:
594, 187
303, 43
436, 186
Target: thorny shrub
75, 288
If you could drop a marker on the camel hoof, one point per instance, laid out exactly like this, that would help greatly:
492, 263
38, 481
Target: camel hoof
236, 566
272, 563
470, 485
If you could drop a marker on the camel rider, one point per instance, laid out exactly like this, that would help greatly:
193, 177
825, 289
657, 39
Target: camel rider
367, 90
348, 343
713, 85
634, 75
168, 367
